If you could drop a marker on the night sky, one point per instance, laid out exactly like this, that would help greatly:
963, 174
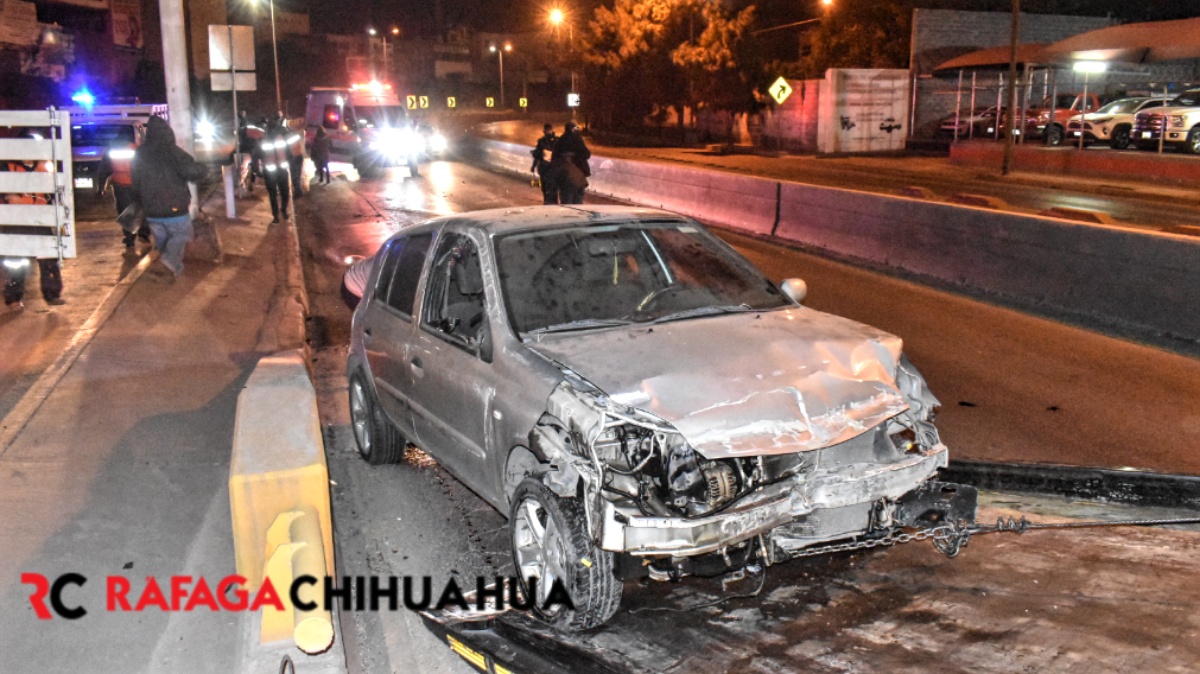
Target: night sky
417, 18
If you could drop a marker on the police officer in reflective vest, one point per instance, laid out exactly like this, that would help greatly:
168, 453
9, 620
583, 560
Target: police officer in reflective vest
17, 268
272, 158
295, 154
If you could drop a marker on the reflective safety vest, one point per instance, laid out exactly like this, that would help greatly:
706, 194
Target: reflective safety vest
22, 167
274, 151
295, 144
121, 160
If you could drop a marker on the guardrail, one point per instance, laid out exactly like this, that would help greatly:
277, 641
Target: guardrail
1130, 278
279, 498
37, 207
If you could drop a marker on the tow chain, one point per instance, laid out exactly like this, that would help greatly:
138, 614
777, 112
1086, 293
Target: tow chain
952, 537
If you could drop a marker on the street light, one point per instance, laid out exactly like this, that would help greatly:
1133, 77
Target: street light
556, 18
275, 51
493, 49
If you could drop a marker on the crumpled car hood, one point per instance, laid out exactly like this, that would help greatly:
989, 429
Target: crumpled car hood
745, 384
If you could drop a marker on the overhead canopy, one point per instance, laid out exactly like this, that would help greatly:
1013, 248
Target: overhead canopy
1132, 43
995, 57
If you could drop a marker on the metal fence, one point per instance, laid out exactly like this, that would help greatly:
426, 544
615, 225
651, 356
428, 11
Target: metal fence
37, 203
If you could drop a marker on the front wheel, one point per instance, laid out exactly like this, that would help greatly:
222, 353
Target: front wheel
1054, 135
378, 440
550, 542
1120, 138
413, 167
1193, 141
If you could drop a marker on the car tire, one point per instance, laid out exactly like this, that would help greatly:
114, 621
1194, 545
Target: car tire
414, 168
378, 441
585, 570
1120, 138
1193, 141
1054, 135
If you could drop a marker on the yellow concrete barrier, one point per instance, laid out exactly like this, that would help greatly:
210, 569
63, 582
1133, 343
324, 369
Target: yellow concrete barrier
294, 550
279, 488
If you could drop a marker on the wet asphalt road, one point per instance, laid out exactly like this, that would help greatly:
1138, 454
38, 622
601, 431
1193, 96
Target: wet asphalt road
1014, 388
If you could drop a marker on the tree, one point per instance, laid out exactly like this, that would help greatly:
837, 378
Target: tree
644, 55
862, 34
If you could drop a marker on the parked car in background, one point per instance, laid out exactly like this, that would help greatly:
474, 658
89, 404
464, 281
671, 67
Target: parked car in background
1182, 115
1112, 123
638, 398
977, 123
1050, 117
92, 146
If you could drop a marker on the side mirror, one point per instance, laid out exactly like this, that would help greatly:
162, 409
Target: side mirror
794, 288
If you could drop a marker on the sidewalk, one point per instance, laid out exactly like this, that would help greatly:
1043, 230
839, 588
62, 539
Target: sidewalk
123, 469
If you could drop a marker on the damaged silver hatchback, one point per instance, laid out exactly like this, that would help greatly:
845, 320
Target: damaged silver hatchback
638, 398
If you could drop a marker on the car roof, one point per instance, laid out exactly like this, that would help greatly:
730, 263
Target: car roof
503, 220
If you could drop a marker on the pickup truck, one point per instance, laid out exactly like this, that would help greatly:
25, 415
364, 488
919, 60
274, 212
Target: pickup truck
1182, 115
1050, 119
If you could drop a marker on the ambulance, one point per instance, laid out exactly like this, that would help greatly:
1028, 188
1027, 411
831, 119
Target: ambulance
368, 125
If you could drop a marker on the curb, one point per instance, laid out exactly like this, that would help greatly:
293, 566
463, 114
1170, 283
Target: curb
1108, 485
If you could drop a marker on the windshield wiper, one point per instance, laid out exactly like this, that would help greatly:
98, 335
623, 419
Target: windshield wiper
705, 311
581, 324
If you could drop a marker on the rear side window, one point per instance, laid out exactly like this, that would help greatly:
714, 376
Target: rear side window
402, 271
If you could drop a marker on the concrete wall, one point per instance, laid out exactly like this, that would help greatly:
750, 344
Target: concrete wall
792, 126
1130, 278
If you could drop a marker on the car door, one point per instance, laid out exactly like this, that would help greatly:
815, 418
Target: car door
389, 325
453, 386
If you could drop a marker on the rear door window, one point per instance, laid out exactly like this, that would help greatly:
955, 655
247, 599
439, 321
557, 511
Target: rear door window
397, 286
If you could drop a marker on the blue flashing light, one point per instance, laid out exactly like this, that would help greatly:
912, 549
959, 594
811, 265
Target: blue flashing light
84, 97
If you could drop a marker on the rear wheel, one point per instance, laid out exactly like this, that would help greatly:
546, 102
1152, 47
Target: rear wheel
550, 542
1120, 138
378, 440
413, 167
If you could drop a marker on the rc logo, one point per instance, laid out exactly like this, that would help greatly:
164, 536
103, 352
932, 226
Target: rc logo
43, 588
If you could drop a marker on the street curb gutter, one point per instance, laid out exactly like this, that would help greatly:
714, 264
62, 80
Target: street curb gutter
31, 402
1125, 486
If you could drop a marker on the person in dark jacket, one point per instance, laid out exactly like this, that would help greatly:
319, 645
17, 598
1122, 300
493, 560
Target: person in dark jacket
161, 173
321, 147
570, 159
273, 160
542, 166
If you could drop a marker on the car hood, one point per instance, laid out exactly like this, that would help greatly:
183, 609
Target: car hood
745, 384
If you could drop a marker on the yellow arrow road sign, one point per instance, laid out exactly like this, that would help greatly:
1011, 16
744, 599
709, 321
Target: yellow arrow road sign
780, 90
451, 102
524, 102
412, 102
424, 101
491, 102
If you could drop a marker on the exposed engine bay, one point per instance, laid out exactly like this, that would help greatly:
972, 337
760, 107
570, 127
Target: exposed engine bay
648, 492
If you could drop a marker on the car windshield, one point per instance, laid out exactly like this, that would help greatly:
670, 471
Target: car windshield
380, 116
639, 272
102, 134
1187, 99
1125, 107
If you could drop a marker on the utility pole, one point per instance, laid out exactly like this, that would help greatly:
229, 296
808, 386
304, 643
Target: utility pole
175, 70
1013, 122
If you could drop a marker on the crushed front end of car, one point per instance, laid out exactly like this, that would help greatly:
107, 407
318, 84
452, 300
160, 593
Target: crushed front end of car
752, 487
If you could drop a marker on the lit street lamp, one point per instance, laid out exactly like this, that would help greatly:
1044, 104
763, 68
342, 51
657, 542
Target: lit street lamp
493, 49
275, 51
556, 18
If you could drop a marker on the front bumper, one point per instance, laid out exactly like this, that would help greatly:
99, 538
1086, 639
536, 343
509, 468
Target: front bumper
826, 505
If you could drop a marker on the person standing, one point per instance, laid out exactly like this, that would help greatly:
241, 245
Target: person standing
571, 157
321, 147
16, 269
542, 166
161, 173
272, 159
121, 163
295, 156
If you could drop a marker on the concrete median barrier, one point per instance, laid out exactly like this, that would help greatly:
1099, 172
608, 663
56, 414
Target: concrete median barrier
279, 495
1132, 279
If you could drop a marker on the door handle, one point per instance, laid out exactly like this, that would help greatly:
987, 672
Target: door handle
416, 362
417, 369
366, 332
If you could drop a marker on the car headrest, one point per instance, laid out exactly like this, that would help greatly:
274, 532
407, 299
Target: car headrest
466, 274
